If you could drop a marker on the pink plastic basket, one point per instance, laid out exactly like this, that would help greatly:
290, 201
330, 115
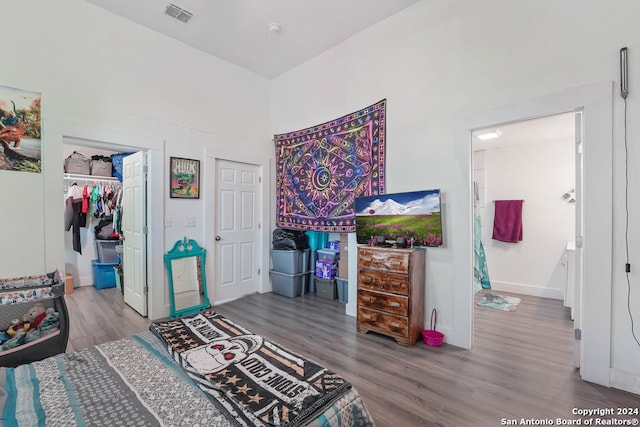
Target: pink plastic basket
430, 336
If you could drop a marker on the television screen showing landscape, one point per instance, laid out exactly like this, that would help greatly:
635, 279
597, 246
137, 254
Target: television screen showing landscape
414, 215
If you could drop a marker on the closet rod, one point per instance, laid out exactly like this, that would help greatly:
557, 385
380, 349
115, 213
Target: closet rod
71, 176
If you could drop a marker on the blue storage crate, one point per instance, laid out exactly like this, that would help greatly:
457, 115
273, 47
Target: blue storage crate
104, 275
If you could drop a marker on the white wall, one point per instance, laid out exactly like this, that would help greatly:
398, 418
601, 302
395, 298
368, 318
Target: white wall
102, 75
441, 60
539, 173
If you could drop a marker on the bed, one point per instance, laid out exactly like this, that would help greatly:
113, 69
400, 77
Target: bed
201, 369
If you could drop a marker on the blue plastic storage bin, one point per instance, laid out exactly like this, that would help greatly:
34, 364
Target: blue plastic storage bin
104, 275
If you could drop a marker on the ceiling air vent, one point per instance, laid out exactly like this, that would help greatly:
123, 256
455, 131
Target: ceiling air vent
179, 13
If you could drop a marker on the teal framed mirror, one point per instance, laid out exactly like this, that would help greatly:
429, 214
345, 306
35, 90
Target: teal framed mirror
185, 264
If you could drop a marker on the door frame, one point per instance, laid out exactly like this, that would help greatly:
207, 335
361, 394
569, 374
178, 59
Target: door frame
596, 103
55, 132
266, 221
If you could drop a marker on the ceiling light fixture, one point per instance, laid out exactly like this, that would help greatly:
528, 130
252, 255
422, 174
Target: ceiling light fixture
489, 134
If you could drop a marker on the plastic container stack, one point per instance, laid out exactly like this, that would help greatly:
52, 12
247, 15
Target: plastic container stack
326, 267
290, 273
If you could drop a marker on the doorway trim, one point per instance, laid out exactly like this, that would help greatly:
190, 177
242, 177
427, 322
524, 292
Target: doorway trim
264, 163
596, 103
54, 133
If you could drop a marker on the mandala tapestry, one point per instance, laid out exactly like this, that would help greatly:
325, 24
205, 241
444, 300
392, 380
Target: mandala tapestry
322, 169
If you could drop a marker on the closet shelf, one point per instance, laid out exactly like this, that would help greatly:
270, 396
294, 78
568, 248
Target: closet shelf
72, 176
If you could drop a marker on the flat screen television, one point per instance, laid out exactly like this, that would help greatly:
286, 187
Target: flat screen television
413, 215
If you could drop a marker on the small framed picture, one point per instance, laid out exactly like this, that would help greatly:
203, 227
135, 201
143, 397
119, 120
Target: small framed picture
184, 178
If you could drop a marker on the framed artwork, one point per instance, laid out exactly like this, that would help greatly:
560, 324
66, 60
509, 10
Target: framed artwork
20, 131
184, 178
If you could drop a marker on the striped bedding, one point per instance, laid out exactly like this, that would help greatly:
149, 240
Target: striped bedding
132, 381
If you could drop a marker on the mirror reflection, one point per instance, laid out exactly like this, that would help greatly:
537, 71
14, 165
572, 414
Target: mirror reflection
187, 283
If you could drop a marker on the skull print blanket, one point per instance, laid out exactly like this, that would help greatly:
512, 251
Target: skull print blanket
255, 380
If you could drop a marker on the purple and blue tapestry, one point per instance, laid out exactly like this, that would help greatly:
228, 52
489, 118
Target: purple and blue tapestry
322, 169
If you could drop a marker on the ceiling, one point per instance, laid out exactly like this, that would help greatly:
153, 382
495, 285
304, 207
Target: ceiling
238, 31
545, 129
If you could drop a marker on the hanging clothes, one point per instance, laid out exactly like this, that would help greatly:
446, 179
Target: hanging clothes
74, 218
117, 216
85, 199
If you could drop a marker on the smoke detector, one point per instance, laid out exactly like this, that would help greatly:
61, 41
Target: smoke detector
274, 28
178, 13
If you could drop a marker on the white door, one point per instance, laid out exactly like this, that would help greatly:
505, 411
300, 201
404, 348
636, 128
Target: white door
577, 300
237, 230
134, 231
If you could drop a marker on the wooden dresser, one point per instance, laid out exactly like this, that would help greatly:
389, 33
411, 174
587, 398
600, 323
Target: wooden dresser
391, 292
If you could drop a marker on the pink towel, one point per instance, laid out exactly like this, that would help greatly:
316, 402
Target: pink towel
507, 221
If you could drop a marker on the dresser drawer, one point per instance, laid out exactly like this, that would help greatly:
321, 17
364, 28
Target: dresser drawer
389, 303
384, 260
383, 281
384, 322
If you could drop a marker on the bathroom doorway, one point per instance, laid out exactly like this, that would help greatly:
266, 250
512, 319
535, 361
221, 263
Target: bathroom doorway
595, 102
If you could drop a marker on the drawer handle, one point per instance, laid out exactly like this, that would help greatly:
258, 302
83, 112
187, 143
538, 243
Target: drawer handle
365, 259
367, 279
366, 298
395, 324
366, 316
396, 263
394, 304
395, 283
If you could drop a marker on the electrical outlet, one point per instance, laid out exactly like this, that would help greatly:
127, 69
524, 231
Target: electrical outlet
190, 221
167, 221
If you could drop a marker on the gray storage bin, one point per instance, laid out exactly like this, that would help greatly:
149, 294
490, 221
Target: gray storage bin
288, 285
101, 168
77, 163
343, 290
290, 261
312, 277
107, 251
326, 288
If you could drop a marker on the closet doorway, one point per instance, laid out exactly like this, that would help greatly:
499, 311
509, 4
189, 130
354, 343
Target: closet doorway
84, 265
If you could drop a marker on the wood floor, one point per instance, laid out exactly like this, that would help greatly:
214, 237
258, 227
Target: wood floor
520, 366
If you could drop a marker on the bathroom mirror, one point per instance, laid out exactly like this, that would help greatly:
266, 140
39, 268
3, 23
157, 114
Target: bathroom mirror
185, 264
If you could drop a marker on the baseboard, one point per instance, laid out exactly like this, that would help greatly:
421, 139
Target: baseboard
519, 288
624, 381
85, 281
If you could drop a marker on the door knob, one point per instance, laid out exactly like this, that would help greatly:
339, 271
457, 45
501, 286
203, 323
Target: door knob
218, 238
